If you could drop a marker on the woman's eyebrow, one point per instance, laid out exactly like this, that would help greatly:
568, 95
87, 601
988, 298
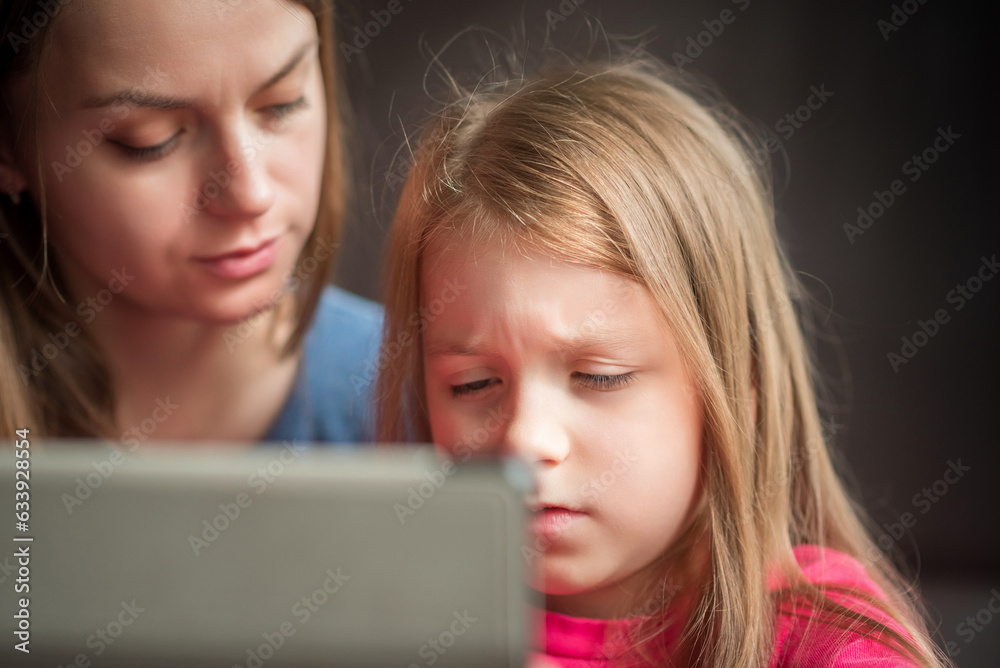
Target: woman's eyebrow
292, 63
136, 97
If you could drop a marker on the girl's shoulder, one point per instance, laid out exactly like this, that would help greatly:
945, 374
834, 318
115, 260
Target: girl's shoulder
330, 401
805, 639
825, 565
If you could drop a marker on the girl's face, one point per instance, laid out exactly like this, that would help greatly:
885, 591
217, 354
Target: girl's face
182, 144
573, 369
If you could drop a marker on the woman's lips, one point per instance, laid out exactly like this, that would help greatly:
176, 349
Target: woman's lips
550, 522
242, 263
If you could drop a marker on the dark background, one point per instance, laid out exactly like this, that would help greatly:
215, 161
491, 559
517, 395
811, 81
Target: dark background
898, 430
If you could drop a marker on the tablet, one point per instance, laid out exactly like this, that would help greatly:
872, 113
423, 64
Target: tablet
288, 555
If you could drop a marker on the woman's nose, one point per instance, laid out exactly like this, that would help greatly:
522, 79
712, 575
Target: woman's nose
239, 187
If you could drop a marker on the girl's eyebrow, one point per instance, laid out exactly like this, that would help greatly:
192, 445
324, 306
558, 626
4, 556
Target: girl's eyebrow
442, 347
137, 97
606, 338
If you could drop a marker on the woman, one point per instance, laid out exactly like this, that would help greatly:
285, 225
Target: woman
172, 179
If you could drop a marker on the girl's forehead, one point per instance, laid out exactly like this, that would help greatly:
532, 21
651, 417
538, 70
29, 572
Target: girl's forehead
502, 267
473, 244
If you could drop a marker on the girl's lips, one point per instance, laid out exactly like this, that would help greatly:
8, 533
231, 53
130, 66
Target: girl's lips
550, 522
242, 264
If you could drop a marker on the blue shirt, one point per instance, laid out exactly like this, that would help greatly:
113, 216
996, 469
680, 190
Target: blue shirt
330, 400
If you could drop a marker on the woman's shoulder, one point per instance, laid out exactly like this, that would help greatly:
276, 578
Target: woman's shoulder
806, 638
339, 308
330, 401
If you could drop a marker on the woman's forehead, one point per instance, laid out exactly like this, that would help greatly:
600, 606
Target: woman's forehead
100, 46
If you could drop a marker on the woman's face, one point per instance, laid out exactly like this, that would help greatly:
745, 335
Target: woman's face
182, 144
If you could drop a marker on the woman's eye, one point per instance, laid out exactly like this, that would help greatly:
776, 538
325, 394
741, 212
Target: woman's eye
475, 386
149, 153
282, 111
604, 383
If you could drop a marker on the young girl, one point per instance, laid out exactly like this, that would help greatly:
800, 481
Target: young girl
171, 203
584, 272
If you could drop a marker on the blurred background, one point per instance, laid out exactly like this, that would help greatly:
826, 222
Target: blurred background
883, 175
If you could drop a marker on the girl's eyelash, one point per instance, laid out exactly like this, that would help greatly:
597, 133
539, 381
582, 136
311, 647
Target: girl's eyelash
605, 383
593, 381
471, 388
150, 153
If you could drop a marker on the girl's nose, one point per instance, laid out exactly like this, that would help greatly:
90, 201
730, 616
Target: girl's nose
537, 430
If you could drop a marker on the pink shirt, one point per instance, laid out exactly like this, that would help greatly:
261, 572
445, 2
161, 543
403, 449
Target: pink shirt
572, 642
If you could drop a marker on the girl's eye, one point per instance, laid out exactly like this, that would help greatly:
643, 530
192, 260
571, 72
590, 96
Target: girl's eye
149, 153
281, 112
475, 386
604, 383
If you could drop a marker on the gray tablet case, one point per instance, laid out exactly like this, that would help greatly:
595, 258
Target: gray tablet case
291, 556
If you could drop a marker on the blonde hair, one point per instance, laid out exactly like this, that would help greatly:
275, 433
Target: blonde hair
617, 166
73, 395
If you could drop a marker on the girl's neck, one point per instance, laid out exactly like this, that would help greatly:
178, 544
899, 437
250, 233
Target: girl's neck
179, 379
642, 594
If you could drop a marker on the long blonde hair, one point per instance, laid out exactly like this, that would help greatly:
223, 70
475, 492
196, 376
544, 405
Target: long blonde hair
619, 166
74, 395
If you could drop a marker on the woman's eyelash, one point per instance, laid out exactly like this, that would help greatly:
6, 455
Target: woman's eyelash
286, 109
280, 112
149, 153
605, 383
